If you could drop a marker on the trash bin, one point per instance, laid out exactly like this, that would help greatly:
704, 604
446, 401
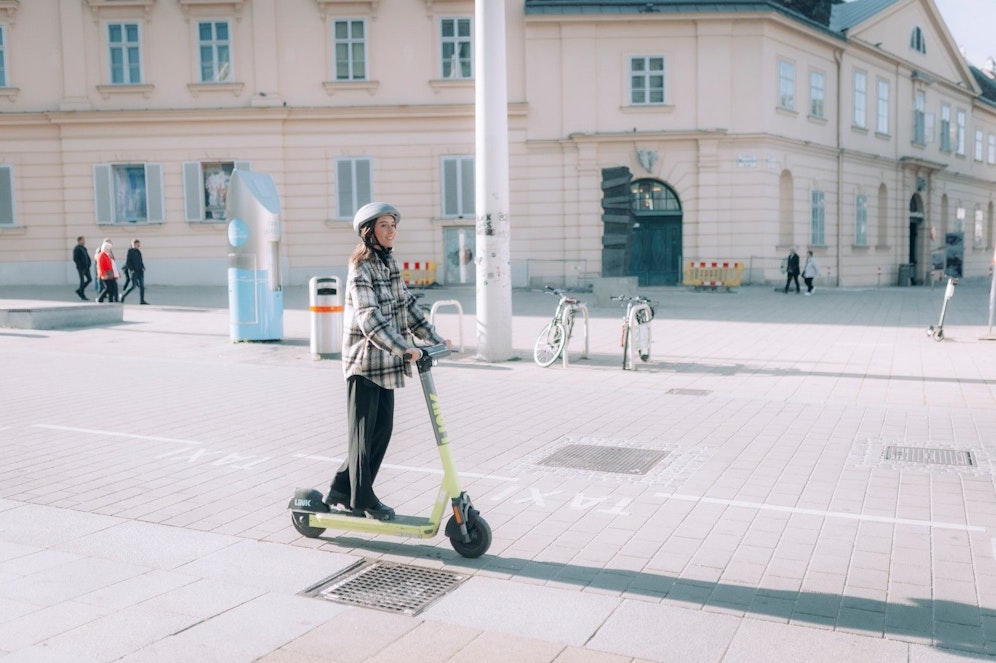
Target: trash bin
905, 274
325, 301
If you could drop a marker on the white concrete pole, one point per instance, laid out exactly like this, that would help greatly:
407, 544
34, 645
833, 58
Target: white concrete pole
493, 260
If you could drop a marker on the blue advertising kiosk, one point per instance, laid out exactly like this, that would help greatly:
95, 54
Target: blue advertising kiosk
255, 294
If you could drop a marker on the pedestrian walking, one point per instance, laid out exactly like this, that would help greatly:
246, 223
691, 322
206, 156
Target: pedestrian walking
107, 271
82, 261
810, 272
134, 272
792, 270
381, 316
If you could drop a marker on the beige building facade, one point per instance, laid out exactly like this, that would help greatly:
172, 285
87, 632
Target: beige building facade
641, 135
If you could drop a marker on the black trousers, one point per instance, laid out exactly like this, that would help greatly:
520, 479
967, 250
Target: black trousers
370, 422
809, 282
792, 277
84, 279
134, 279
110, 291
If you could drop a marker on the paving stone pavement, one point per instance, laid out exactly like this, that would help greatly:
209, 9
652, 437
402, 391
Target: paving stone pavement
145, 470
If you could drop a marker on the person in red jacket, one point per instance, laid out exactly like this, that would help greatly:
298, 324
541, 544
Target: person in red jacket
107, 272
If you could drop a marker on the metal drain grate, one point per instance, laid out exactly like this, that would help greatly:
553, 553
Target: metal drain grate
689, 392
386, 586
932, 456
621, 460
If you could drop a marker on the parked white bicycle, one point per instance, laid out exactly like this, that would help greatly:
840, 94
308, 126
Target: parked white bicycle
636, 334
553, 340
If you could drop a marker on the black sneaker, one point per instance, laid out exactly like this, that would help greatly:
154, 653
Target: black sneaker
335, 498
379, 511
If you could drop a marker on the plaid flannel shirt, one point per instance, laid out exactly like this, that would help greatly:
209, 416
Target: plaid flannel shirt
380, 315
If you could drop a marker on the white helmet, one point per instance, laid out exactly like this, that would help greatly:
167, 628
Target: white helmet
372, 212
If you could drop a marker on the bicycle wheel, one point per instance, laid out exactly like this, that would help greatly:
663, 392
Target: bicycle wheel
550, 343
627, 341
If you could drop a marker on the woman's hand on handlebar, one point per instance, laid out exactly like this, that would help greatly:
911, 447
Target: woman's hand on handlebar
413, 354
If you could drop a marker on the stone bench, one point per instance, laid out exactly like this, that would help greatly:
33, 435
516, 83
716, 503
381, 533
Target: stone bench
52, 315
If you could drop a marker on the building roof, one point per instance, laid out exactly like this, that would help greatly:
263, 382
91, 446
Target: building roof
812, 12
986, 82
845, 16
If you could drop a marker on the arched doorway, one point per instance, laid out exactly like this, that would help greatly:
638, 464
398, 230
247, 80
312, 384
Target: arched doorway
655, 241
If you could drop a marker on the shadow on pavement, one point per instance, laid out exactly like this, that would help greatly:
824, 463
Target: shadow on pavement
920, 619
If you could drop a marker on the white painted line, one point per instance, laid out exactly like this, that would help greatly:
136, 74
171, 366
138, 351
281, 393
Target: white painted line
825, 514
406, 468
993, 543
114, 434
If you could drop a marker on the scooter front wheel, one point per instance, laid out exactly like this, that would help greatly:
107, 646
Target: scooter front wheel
480, 539
300, 521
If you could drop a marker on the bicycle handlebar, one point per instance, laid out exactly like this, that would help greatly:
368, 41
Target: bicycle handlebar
630, 298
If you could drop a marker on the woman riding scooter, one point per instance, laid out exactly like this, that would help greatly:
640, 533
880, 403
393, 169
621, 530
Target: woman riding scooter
381, 316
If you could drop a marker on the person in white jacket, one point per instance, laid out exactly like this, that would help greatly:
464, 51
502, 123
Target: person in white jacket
810, 272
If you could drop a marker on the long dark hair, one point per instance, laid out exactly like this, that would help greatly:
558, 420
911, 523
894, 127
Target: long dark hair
364, 251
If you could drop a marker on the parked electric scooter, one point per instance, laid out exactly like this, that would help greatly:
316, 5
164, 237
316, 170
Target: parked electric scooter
469, 534
937, 333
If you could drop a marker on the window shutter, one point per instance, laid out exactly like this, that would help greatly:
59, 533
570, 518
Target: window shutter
450, 200
243, 165
103, 193
193, 191
6, 195
344, 188
155, 203
364, 192
467, 184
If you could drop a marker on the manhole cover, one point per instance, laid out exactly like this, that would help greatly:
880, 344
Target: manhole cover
932, 456
386, 586
689, 392
622, 460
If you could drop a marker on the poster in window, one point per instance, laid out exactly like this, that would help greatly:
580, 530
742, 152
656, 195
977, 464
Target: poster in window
216, 179
129, 194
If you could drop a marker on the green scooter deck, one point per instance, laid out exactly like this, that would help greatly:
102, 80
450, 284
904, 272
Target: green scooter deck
415, 526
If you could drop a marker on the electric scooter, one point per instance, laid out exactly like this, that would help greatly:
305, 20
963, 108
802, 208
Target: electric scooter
937, 333
469, 534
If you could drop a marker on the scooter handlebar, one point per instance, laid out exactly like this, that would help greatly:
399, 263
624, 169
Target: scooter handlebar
430, 353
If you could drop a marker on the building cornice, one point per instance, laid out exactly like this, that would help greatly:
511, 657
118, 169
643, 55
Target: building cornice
8, 10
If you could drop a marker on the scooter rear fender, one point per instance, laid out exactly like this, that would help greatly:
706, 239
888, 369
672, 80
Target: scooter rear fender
309, 500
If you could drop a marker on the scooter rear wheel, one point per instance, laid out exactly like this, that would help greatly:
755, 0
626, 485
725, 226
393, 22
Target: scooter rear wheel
480, 539
300, 521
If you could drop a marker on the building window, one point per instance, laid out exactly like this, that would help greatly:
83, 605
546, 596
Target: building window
992, 149
215, 51
882, 116
818, 219
458, 187
919, 118
205, 188
129, 193
354, 185
646, 80
3, 56
980, 145
350, 38
917, 41
860, 99
861, 220
6, 195
960, 129
652, 197
945, 128
124, 50
817, 94
786, 84
457, 48
978, 234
